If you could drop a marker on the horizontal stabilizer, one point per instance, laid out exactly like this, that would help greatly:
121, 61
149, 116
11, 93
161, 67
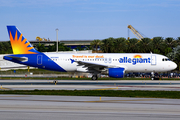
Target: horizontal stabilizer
22, 59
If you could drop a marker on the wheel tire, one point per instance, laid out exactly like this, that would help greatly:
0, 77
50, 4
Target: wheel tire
55, 81
94, 77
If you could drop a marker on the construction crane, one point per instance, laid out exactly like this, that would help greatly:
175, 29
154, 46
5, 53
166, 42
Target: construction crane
138, 35
42, 39
38, 38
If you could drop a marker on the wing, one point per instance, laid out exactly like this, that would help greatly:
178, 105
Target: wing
92, 66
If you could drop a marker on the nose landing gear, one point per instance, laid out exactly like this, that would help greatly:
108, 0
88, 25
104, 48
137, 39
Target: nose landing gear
94, 77
154, 76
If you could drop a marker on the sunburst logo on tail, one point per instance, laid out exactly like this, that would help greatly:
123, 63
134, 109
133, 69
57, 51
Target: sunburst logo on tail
19, 44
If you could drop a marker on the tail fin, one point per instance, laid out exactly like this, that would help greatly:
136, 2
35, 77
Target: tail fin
19, 44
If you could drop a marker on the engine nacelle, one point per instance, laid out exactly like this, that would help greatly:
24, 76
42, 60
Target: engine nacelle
115, 72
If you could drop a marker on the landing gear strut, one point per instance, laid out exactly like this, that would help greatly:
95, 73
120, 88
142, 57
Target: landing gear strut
94, 77
155, 76
152, 75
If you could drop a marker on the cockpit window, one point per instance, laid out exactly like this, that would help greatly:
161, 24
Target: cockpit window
165, 59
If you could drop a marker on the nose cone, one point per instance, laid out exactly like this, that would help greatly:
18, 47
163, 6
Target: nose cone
174, 65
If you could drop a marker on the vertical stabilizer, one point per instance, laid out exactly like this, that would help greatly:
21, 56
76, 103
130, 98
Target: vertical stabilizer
20, 45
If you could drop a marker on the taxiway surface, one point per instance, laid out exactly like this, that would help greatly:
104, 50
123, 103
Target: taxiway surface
40, 107
90, 85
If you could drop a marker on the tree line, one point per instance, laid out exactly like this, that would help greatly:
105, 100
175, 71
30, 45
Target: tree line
5, 47
146, 45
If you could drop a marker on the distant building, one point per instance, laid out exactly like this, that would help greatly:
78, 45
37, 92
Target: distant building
69, 43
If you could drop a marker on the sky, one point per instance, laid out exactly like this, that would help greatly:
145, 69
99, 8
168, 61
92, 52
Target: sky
90, 19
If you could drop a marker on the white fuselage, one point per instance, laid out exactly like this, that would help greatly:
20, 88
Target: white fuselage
131, 62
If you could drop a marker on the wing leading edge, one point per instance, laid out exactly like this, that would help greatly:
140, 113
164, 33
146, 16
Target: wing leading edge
94, 66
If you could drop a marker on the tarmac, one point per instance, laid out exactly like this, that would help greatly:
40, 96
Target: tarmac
47, 107
40, 107
90, 85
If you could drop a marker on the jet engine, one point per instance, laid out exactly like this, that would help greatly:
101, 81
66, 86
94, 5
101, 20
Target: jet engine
114, 72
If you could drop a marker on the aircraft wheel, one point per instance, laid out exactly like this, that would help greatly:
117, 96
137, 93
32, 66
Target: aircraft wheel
55, 81
94, 77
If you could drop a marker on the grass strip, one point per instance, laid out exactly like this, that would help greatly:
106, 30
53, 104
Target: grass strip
107, 93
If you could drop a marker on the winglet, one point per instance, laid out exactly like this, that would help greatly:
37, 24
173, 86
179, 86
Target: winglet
19, 43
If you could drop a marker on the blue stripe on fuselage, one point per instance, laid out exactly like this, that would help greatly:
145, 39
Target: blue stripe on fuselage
46, 62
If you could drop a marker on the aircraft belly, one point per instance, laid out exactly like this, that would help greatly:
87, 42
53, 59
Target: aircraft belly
135, 68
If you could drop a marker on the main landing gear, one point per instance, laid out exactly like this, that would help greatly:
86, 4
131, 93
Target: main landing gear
94, 77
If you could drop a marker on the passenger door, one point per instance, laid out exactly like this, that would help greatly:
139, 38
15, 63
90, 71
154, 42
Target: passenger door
39, 59
153, 59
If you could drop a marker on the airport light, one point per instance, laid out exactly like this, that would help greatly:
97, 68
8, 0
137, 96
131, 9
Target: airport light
57, 39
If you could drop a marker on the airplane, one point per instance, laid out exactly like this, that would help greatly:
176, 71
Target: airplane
112, 64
